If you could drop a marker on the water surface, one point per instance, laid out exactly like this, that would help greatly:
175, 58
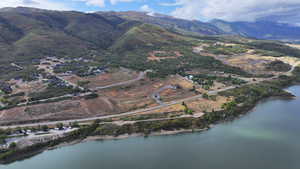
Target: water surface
266, 138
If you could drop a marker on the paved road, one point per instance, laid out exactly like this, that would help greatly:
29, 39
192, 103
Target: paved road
156, 94
68, 82
292, 69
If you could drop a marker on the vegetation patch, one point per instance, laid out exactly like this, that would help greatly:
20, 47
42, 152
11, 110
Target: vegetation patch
278, 66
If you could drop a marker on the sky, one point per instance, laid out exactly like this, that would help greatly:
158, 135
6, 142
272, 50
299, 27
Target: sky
287, 11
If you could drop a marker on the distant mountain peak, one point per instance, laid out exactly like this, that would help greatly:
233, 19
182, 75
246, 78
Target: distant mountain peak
264, 28
22, 9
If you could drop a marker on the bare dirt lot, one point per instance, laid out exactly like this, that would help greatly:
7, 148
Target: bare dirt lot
249, 62
110, 101
111, 77
160, 55
198, 106
27, 87
139, 94
70, 109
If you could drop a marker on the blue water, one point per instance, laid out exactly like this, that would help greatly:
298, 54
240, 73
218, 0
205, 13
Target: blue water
267, 138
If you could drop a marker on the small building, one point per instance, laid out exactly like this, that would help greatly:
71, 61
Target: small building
191, 77
5, 87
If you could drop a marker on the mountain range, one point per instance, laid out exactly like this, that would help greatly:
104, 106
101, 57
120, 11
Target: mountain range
28, 33
261, 29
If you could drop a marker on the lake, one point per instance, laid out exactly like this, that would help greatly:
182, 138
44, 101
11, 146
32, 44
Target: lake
266, 138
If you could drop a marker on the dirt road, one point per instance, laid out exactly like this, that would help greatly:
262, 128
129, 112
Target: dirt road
140, 77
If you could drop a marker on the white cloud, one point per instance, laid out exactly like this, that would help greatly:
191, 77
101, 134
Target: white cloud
146, 8
176, 3
44, 4
101, 3
55, 5
235, 10
113, 2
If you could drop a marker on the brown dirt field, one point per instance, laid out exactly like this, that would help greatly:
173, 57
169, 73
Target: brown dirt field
250, 63
112, 77
110, 101
70, 109
198, 106
131, 97
170, 94
27, 87
204, 105
153, 55
139, 95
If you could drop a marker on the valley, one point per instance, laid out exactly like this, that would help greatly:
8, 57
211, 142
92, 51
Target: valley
130, 77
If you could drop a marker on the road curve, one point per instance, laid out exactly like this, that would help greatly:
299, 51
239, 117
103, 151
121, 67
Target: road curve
140, 77
156, 95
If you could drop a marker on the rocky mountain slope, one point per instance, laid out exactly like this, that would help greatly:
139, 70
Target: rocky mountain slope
260, 29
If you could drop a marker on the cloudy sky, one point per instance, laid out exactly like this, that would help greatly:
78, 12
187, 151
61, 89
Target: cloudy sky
231, 10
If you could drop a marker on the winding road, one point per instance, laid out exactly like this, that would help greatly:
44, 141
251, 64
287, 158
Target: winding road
140, 77
156, 94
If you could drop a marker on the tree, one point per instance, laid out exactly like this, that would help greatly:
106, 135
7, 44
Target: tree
60, 126
45, 128
83, 83
2, 139
12, 145
74, 125
205, 96
229, 106
186, 109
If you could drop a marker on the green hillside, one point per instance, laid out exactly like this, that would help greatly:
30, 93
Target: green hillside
168, 22
108, 39
28, 33
146, 36
133, 49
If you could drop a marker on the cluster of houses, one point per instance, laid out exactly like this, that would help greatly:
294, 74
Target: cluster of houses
5, 87
80, 70
73, 66
55, 81
23, 136
97, 70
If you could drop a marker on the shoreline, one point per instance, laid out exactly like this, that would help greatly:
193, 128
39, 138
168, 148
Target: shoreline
126, 136
72, 141
98, 138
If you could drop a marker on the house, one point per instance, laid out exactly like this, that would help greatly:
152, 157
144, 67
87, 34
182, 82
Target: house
5, 87
191, 77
